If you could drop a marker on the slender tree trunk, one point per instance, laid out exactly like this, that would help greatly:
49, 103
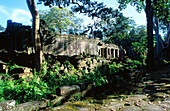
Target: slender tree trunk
157, 54
149, 16
35, 34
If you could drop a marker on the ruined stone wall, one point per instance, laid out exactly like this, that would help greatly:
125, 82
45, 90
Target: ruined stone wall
67, 44
18, 37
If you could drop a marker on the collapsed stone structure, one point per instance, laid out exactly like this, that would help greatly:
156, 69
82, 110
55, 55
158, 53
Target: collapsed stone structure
18, 37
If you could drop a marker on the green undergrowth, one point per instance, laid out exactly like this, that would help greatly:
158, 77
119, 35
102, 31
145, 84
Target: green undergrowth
22, 90
12, 66
130, 64
53, 81
42, 84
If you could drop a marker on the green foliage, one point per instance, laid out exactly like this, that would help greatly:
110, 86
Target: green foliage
114, 68
71, 79
64, 3
22, 90
53, 81
95, 77
134, 64
130, 64
115, 27
43, 69
60, 20
141, 46
13, 66
39, 86
160, 8
122, 37
166, 62
111, 23
136, 39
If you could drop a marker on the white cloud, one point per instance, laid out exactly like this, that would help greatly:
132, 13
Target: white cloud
21, 16
3, 10
16, 15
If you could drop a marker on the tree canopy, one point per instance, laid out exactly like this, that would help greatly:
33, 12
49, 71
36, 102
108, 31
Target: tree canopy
160, 8
60, 20
64, 3
107, 21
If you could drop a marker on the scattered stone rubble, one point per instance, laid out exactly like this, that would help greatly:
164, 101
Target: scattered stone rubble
6, 105
21, 72
3, 67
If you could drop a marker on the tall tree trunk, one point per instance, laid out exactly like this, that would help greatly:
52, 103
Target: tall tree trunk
149, 16
35, 34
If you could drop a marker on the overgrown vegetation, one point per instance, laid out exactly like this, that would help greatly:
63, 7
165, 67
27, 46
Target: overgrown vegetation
22, 90
40, 85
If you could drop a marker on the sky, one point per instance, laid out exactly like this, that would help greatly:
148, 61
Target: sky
17, 11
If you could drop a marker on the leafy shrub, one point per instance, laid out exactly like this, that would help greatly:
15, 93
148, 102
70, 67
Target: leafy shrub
53, 81
22, 90
114, 68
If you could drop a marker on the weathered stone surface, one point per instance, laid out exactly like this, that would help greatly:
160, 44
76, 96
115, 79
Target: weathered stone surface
20, 70
142, 104
71, 107
166, 104
94, 61
58, 108
67, 90
82, 64
62, 67
57, 100
6, 105
167, 100
23, 75
116, 106
152, 107
131, 108
136, 97
82, 108
159, 94
3, 67
103, 109
30, 106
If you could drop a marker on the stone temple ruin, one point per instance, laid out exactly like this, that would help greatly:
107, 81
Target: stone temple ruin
18, 37
15, 37
67, 44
